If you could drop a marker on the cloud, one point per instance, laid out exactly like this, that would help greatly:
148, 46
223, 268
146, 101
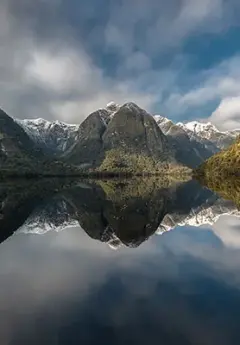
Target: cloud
227, 114
60, 60
161, 25
220, 85
67, 279
77, 110
218, 82
61, 71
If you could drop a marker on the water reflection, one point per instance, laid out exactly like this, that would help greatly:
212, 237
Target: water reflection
117, 212
66, 288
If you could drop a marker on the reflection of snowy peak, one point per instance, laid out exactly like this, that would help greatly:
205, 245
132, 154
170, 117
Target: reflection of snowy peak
61, 214
206, 214
58, 216
53, 217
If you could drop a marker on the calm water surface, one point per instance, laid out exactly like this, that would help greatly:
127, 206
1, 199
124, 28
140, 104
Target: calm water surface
115, 275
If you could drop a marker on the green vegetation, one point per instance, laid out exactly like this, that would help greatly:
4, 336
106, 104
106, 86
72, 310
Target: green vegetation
221, 173
119, 190
222, 165
119, 161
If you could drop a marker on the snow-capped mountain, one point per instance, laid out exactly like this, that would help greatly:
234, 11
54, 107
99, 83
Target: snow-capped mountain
204, 133
58, 137
208, 132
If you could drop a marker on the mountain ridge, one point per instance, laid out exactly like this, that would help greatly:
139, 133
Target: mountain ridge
197, 128
119, 138
193, 142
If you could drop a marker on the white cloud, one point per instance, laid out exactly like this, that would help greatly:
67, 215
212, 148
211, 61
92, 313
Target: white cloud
227, 114
220, 85
220, 81
46, 72
60, 71
78, 87
77, 110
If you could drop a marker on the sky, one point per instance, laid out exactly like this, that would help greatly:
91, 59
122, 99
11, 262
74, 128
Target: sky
63, 59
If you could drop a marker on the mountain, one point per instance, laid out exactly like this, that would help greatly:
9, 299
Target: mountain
102, 131
127, 140
20, 155
17, 150
14, 141
208, 134
116, 139
58, 137
88, 148
189, 150
53, 137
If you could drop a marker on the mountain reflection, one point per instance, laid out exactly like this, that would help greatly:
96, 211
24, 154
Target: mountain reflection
68, 288
118, 212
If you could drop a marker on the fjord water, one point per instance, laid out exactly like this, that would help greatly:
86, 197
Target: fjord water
93, 262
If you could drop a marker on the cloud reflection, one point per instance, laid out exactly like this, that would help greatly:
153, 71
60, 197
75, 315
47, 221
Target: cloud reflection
69, 287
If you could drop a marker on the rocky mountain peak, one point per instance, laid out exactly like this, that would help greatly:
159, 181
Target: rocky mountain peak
133, 129
112, 107
192, 142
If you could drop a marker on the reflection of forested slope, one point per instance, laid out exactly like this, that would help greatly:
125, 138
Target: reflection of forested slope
227, 187
114, 211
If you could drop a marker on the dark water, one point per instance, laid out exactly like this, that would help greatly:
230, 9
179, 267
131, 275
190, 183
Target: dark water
94, 263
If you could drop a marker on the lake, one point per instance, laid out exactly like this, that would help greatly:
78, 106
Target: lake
118, 262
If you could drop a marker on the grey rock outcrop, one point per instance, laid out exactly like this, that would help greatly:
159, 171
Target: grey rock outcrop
130, 129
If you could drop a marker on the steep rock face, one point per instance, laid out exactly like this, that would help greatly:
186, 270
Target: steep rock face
56, 138
189, 150
14, 142
133, 130
123, 127
21, 156
127, 129
88, 147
